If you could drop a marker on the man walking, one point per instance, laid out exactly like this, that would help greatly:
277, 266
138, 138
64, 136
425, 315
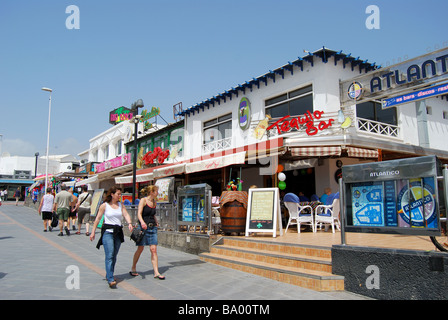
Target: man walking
61, 205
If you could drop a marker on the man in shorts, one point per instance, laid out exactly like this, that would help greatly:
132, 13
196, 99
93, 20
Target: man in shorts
62, 207
83, 208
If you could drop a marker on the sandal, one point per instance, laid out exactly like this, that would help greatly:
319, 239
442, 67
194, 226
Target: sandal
133, 273
160, 277
87, 233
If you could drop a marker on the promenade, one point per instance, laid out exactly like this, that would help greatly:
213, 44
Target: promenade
37, 265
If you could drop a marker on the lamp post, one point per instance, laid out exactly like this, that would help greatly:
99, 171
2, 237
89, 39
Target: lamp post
35, 166
48, 137
135, 120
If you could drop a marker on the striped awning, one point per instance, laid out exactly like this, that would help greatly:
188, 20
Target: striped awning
216, 163
169, 170
362, 153
139, 178
316, 151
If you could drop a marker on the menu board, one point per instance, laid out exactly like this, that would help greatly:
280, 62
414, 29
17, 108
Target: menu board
263, 211
165, 190
96, 201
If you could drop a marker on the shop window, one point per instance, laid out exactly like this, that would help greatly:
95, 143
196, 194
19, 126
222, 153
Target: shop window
372, 110
218, 129
445, 115
293, 103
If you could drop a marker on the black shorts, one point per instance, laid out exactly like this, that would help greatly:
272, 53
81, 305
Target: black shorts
46, 215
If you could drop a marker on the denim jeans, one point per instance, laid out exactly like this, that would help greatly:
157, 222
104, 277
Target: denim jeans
111, 247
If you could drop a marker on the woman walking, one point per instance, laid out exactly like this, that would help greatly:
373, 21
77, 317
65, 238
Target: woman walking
46, 209
112, 230
147, 219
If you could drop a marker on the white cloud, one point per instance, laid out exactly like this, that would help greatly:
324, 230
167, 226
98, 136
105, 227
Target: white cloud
18, 147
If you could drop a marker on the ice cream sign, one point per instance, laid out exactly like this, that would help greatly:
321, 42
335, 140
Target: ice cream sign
244, 113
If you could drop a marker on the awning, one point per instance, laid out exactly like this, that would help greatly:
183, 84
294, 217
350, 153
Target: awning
91, 179
316, 151
169, 170
362, 153
139, 178
216, 163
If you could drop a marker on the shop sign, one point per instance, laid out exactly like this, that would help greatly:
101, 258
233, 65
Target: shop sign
308, 119
415, 96
399, 79
120, 114
113, 163
244, 113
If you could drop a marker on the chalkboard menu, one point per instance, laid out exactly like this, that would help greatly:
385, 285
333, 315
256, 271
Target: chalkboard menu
263, 211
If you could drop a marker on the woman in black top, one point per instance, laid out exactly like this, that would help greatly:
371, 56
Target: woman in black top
147, 219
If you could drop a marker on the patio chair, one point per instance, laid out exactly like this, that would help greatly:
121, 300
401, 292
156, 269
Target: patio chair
297, 217
328, 214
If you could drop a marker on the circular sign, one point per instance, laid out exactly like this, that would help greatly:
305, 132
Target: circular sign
411, 202
244, 113
354, 90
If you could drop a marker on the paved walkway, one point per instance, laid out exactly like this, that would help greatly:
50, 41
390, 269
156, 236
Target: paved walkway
40, 265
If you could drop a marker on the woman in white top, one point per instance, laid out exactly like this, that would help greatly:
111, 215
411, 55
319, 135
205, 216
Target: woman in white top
112, 230
46, 209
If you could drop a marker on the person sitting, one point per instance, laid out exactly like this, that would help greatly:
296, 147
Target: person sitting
323, 198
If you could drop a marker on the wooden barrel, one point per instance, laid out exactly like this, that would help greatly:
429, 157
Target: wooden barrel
233, 217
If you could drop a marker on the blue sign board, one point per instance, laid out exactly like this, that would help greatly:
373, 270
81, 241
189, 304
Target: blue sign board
417, 95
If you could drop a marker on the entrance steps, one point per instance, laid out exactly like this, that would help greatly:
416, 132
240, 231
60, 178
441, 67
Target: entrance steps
302, 265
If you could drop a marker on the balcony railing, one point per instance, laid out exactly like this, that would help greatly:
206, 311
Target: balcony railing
217, 145
378, 128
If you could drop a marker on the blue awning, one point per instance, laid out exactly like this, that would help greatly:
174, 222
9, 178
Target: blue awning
16, 181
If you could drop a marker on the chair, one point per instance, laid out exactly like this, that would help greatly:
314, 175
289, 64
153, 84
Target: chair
328, 214
295, 213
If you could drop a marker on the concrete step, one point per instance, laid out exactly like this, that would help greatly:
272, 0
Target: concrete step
305, 266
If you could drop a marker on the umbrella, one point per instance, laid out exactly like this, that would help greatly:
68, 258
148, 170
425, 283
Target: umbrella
42, 177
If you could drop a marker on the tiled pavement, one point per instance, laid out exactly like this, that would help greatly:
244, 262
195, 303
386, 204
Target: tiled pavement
40, 265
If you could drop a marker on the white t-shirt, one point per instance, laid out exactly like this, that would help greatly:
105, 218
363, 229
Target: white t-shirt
47, 205
113, 216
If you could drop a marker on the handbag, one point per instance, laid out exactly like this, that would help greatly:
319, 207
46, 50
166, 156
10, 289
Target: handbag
137, 234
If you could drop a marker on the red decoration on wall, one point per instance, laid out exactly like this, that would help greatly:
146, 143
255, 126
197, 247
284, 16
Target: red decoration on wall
308, 119
158, 154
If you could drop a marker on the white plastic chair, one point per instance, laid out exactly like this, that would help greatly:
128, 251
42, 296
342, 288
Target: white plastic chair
328, 214
295, 214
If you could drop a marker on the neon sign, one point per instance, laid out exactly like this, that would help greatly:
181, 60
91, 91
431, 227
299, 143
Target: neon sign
307, 119
120, 114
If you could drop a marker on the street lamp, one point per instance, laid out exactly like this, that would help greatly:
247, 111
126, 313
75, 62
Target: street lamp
35, 166
135, 120
48, 137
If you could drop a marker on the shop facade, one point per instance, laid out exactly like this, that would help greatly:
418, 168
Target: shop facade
296, 119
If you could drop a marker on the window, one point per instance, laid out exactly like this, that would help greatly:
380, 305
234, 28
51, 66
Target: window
445, 115
218, 129
372, 111
293, 103
118, 149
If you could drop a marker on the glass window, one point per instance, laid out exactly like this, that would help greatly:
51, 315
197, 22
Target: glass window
373, 111
218, 129
301, 105
297, 103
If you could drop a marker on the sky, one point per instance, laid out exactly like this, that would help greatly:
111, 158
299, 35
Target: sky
170, 51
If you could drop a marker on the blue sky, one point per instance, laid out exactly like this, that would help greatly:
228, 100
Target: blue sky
170, 51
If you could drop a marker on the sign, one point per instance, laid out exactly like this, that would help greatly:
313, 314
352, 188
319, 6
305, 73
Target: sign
97, 199
398, 196
244, 113
113, 163
283, 125
263, 211
165, 190
119, 115
399, 79
415, 96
